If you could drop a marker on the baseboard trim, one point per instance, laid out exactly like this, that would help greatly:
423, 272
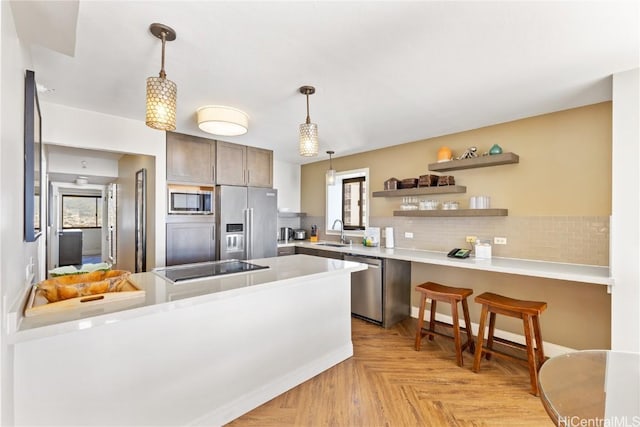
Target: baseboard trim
550, 349
255, 398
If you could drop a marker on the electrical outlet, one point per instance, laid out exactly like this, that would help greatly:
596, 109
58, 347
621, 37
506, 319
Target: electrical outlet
500, 240
408, 235
471, 239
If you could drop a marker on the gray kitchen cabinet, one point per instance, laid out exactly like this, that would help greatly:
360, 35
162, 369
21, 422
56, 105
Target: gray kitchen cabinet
259, 167
190, 159
231, 160
286, 250
189, 242
242, 165
318, 252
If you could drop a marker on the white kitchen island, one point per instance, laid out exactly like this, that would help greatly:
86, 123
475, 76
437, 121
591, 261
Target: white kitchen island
198, 353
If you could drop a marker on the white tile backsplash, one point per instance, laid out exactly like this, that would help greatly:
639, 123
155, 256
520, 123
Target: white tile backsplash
572, 239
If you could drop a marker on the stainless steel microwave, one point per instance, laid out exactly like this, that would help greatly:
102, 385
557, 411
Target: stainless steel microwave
190, 201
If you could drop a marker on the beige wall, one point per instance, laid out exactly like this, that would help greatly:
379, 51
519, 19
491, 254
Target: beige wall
577, 314
559, 202
564, 169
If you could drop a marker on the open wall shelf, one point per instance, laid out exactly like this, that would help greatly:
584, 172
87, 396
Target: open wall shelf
419, 191
475, 162
453, 213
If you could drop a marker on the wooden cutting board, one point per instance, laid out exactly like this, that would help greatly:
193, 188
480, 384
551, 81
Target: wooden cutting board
37, 304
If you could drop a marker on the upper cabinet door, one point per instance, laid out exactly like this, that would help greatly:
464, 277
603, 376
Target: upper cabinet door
231, 160
190, 159
259, 167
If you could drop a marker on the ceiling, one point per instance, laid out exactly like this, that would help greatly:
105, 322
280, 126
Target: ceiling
385, 72
66, 164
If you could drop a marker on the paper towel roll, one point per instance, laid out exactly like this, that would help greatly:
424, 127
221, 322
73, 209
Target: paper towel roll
388, 237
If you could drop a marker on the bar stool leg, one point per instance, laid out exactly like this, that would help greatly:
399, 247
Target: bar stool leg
467, 323
432, 319
492, 328
456, 332
533, 372
423, 304
478, 354
538, 335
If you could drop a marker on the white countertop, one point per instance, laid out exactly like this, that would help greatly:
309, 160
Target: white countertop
162, 295
551, 270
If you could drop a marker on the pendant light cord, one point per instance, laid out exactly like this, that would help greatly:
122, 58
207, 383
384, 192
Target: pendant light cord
308, 118
163, 75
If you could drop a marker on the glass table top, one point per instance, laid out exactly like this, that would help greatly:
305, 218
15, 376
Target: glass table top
592, 388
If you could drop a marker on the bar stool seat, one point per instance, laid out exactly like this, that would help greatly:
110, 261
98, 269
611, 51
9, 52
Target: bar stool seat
436, 292
529, 312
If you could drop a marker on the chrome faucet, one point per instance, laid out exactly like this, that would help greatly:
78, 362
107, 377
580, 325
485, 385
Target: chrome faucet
333, 227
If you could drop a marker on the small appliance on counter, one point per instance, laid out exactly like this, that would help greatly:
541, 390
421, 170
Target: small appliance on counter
300, 234
286, 234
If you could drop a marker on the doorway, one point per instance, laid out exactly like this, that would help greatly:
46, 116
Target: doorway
79, 225
83, 175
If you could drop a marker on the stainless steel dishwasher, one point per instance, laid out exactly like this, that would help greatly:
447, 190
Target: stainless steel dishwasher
366, 289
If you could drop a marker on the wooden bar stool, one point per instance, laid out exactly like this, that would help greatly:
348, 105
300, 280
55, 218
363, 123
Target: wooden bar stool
436, 292
529, 312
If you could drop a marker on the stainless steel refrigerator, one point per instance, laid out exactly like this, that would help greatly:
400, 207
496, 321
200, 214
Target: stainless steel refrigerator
246, 222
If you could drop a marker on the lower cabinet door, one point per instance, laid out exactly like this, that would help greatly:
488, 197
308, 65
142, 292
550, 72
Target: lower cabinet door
190, 242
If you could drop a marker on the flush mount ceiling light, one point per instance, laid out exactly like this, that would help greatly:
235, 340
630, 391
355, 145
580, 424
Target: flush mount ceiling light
221, 120
331, 173
161, 93
308, 130
82, 180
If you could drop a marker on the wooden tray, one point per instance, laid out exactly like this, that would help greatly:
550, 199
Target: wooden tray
37, 304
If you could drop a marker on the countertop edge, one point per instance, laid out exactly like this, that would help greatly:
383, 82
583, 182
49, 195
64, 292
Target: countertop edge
546, 269
73, 325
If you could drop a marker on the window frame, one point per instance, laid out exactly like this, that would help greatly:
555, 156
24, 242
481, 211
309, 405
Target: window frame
333, 203
98, 211
361, 195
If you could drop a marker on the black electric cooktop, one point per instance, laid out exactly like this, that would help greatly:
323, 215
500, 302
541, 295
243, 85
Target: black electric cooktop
212, 269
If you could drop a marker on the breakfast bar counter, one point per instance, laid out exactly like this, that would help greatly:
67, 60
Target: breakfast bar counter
593, 274
202, 352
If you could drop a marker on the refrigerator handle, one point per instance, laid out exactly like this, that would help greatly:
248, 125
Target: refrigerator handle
248, 239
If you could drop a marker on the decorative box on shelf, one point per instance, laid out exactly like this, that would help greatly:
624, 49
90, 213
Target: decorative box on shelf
409, 183
392, 184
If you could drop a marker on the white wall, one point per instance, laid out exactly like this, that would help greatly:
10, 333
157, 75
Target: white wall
91, 241
286, 179
71, 163
625, 227
87, 129
14, 252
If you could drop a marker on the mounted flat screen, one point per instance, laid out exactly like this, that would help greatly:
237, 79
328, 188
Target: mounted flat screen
32, 157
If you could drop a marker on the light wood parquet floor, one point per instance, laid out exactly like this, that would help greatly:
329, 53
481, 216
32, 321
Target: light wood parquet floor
388, 383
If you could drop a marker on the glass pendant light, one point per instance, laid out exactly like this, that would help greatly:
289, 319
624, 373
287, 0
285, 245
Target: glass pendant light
161, 93
331, 173
308, 130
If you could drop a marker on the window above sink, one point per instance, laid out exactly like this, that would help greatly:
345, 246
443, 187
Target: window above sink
348, 201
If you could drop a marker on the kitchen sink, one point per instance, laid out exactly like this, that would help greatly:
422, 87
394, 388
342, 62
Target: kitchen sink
333, 245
